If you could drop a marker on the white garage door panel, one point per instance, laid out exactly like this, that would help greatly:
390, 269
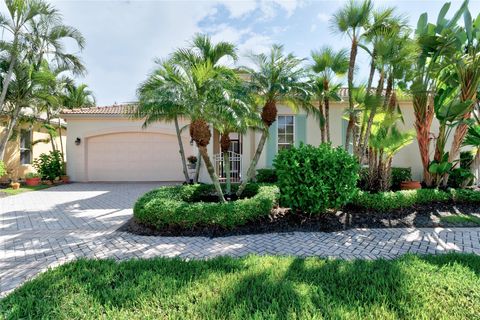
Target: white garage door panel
134, 157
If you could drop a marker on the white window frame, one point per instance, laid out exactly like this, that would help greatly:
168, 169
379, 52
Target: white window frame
23, 149
293, 134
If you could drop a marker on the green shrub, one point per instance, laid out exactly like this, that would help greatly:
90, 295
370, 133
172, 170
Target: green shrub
266, 176
399, 175
385, 201
32, 175
3, 169
180, 206
49, 166
313, 179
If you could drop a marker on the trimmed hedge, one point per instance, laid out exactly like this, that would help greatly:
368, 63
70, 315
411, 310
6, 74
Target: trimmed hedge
313, 179
181, 206
266, 176
384, 201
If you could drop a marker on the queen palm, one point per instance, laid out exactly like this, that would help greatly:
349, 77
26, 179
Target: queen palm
278, 77
206, 92
351, 20
328, 64
38, 34
161, 98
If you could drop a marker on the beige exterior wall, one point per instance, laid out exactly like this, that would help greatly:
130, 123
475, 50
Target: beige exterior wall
407, 157
89, 129
12, 156
85, 127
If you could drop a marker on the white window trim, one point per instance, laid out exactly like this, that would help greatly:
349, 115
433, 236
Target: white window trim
294, 129
30, 132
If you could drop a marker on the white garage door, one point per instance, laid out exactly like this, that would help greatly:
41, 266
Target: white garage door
134, 157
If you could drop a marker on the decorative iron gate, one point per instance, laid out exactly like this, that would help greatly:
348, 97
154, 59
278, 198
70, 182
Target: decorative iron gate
235, 166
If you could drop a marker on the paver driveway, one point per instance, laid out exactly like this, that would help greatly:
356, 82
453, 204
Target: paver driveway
45, 228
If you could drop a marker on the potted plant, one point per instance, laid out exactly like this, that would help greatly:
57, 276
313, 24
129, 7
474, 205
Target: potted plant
15, 185
49, 166
192, 161
410, 185
32, 179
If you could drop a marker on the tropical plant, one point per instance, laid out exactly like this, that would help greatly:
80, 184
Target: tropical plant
277, 77
162, 98
209, 91
435, 41
49, 165
466, 62
37, 35
78, 96
351, 20
327, 64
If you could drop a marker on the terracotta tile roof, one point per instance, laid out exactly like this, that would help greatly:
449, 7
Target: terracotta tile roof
116, 109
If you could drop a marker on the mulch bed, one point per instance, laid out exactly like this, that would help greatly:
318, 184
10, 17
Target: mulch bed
283, 220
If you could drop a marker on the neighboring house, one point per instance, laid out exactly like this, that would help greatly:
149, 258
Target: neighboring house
28, 142
104, 144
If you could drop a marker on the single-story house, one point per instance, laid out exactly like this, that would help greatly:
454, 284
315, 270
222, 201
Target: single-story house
105, 144
28, 142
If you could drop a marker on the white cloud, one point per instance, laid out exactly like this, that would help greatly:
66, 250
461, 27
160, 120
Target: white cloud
313, 27
323, 17
239, 9
255, 43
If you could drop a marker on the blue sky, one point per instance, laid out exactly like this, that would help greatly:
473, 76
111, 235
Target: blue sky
124, 37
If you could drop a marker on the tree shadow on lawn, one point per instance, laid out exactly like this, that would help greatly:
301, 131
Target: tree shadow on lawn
254, 287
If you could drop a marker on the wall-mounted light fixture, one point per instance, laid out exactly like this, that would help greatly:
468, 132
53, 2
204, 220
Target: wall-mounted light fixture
78, 141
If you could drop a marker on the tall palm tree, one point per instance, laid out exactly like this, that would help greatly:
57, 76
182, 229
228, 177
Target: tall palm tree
77, 96
38, 34
161, 98
351, 20
328, 64
278, 77
206, 91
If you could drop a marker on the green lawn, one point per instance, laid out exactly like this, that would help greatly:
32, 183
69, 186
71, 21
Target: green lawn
22, 189
431, 287
461, 219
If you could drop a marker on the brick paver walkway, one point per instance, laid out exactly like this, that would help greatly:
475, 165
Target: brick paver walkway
43, 229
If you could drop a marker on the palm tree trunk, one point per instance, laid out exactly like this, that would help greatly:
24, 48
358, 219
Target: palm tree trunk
181, 150
474, 166
61, 141
50, 133
372, 71
423, 106
8, 132
228, 178
7, 79
211, 172
253, 163
197, 167
326, 102
351, 69
322, 121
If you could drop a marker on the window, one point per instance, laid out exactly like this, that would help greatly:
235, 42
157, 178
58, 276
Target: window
286, 132
25, 146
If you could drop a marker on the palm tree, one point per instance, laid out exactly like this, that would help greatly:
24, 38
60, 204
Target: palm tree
279, 77
38, 34
161, 98
351, 20
467, 67
206, 91
328, 64
78, 96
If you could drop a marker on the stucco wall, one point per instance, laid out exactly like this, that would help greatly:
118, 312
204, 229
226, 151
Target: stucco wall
12, 155
407, 157
88, 127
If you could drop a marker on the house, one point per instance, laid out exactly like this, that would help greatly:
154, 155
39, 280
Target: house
29, 141
105, 144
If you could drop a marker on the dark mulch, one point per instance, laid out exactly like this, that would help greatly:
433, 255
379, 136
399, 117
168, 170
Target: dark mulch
283, 220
